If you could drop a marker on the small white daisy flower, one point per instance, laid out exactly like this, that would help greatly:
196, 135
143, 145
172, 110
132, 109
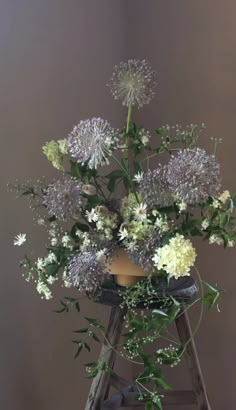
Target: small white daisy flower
138, 177
20, 239
91, 216
141, 212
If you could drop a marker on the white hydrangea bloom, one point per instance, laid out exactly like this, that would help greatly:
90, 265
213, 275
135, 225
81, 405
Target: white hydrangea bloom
224, 196
176, 258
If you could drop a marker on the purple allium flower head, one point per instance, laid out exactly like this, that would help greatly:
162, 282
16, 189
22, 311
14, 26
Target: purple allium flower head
86, 271
92, 141
142, 255
64, 198
154, 188
133, 83
193, 175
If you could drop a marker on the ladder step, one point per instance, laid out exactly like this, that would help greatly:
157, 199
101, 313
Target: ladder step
127, 398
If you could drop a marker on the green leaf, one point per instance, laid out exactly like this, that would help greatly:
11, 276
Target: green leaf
137, 167
78, 351
211, 298
78, 226
160, 312
87, 346
126, 182
77, 306
95, 323
52, 269
82, 330
149, 405
160, 131
95, 337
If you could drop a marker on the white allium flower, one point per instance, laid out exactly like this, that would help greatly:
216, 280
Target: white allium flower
224, 196
44, 290
215, 239
92, 141
92, 216
19, 239
141, 212
176, 258
133, 83
205, 224
138, 177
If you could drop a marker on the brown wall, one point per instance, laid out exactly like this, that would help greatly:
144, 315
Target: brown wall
56, 56
193, 46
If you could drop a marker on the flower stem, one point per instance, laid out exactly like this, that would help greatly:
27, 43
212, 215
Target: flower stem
128, 118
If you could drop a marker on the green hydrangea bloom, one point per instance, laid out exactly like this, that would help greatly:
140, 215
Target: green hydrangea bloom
55, 151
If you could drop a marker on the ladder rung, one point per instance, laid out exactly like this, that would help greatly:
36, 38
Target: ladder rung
126, 398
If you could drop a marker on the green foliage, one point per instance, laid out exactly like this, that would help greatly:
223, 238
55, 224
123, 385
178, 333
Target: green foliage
211, 297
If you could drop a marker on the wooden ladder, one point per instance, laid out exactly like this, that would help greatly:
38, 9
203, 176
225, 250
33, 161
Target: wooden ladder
127, 394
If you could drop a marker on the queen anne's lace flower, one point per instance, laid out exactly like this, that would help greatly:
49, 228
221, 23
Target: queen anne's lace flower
193, 176
92, 141
64, 198
87, 271
177, 257
133, 83
154, 188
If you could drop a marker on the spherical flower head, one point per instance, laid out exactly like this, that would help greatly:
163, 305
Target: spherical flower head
176, 258
87, 271
55, 154
64, 198
193, 176
92, 141
133, 83
143, 253
154, 188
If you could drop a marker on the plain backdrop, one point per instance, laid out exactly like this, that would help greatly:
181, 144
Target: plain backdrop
55, 59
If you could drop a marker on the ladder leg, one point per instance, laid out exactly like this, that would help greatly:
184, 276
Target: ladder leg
100, 383
186, 338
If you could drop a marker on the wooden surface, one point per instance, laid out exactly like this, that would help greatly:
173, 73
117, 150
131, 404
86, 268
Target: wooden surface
100, 383
184, 289
186, 338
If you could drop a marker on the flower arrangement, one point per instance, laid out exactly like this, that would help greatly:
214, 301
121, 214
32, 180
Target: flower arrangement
153, 222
